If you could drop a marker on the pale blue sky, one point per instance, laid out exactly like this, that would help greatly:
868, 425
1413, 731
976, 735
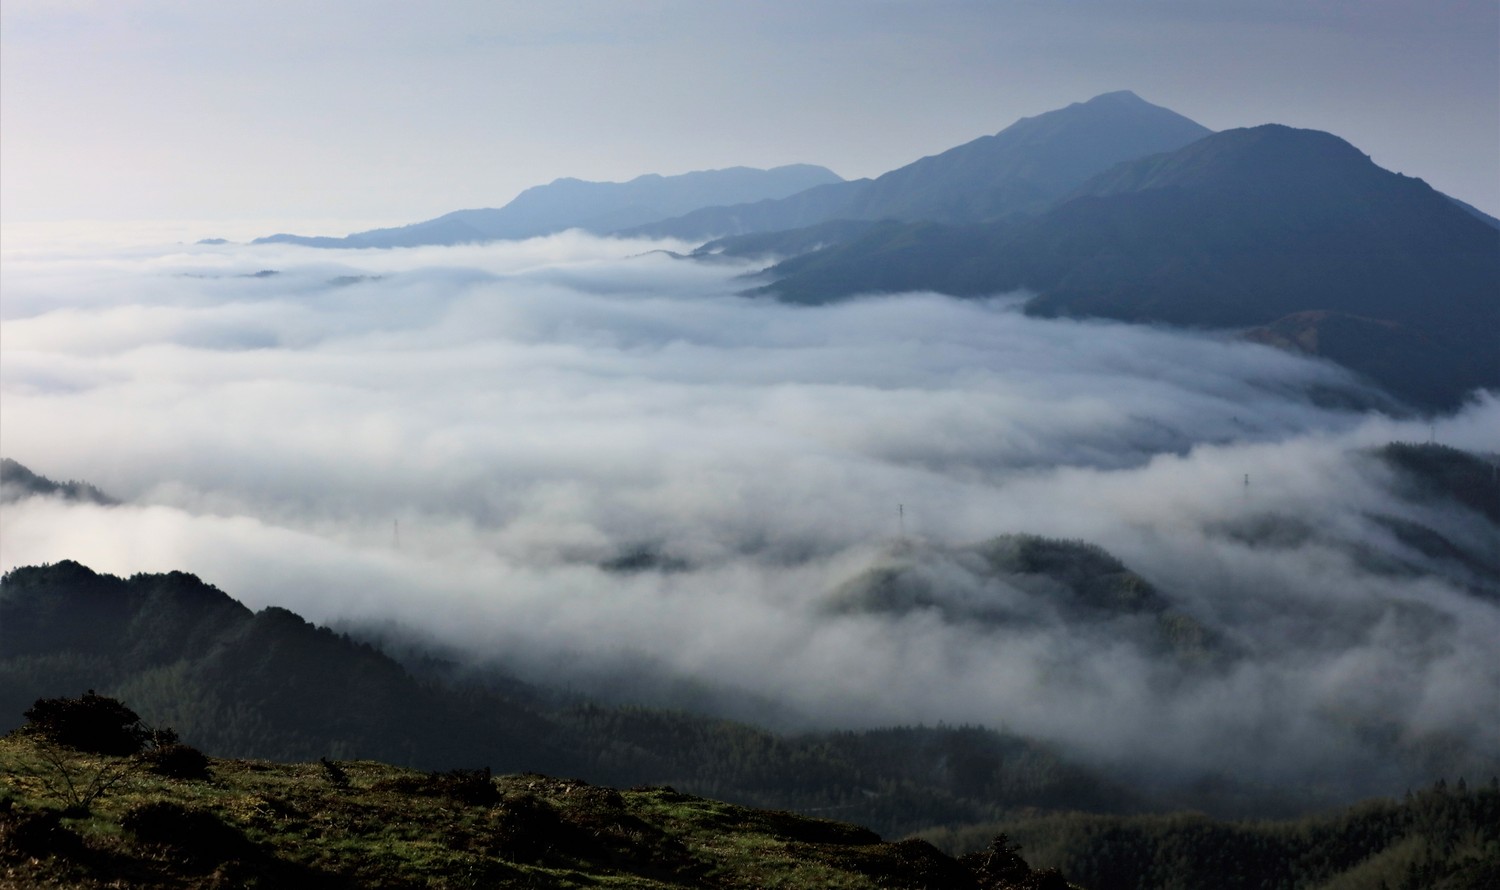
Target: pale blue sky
395, 111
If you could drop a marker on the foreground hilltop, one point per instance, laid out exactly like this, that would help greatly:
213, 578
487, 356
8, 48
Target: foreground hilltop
243, 823
170, 818
269, 685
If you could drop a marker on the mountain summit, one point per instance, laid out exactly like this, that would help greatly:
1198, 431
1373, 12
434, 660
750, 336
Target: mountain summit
1019, 170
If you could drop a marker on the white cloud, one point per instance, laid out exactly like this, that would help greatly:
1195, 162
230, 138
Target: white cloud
520, 413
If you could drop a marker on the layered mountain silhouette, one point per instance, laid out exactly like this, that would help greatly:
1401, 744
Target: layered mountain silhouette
1112, 208
1019, 170
598, 207
1294, 233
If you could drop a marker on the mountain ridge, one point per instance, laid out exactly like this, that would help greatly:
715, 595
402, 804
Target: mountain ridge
1013, 172
1237, 230
18, 481
597, 207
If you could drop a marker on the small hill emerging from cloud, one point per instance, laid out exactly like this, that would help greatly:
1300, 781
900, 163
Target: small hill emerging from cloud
1026, 581
17, 481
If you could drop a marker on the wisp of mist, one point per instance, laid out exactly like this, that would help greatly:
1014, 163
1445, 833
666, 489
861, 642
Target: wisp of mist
586, 460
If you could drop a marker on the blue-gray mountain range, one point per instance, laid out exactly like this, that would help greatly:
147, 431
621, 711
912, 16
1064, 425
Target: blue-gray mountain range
598, 207
1112, 208
1294, 234
1020, 170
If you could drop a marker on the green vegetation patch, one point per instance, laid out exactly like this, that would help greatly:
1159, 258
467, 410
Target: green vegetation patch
243, 823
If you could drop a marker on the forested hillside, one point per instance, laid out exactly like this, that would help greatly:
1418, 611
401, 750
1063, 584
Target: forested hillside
1446, 837
268, 684
17, 481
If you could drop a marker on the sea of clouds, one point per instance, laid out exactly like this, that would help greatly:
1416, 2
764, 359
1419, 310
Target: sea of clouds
475, 443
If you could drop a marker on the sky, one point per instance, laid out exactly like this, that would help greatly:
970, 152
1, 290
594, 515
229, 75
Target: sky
382, 112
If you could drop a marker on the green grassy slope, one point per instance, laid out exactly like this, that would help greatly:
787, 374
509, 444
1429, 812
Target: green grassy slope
367, 824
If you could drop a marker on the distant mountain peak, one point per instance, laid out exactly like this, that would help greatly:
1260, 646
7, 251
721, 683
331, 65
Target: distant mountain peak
1247, 158
1018, 171
1119, 102
1115, 97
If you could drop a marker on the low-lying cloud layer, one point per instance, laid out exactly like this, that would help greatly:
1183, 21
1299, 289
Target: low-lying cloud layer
575, 456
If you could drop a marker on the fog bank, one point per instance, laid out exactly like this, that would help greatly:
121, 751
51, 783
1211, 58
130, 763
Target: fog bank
579, 457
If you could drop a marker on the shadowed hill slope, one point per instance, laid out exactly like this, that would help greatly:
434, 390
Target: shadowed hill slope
1445, 837
268, 684
1240, 229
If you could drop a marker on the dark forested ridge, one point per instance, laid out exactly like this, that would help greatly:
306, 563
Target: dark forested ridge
235, 681
1436, 471
1446, 837
1242, 228
268, 684
1088, 590
17, 481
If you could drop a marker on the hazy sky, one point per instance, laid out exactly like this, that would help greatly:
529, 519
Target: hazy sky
384, 111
